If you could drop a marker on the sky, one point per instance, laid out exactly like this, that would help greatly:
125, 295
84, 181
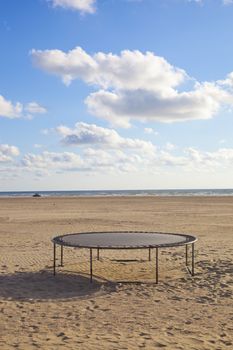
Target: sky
116, 94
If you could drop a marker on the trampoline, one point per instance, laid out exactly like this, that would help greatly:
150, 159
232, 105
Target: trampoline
125, 240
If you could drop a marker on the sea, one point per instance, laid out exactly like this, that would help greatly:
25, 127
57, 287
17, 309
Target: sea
111, 193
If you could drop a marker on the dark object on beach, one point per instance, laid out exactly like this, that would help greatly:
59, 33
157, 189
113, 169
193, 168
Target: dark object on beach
36, 195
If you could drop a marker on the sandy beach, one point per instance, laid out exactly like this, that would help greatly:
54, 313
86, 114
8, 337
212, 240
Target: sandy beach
123, 308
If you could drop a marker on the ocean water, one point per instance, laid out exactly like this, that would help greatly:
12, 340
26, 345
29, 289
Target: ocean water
172, 192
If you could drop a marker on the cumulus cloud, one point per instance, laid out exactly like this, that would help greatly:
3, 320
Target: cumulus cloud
52, 160
12, 111
91, 134
84, 6
170, 146
192, 159
92, 160
120, 107
228, 81
98, 149
130, 70
102, 149
115, 160
7, 152
223, 157
135, 85
121, 161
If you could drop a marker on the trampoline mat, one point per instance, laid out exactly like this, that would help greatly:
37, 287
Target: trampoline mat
117, 240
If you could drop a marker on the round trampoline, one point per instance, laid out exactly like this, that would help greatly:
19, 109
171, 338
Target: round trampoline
125, 240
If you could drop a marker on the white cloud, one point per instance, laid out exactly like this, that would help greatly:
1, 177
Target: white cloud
222, 158
130, 70
7, 152
192, 159
88, 6
150, 131
51, 161
103, 149
228, 82
35, 108
134, 85
119, 107
18, 110
107, 161
114, 160
84, 6
170, 146
167, 159
9, 110
93, 160
91, 134
100, 149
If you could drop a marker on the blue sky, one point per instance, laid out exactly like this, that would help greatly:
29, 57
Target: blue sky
116, 94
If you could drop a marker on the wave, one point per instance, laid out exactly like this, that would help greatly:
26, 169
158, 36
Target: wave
104, 193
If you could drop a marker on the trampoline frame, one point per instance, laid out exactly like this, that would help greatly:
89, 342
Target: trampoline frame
190, 241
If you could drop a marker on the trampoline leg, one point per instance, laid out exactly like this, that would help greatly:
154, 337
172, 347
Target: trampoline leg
98, 253
192, 259
91, 265
189, 269
186, 255
62, 255
149, 258
54, 259
157, 266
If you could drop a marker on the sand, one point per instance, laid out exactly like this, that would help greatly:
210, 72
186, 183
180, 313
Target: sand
123, 308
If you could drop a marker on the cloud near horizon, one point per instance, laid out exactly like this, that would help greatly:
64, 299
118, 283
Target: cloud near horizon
136, 86
107, 152
107, 161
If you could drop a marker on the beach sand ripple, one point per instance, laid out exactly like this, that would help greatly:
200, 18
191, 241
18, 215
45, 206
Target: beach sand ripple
123, 308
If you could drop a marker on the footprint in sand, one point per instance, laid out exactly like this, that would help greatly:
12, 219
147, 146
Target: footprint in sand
160, 345
226, 342
197, 341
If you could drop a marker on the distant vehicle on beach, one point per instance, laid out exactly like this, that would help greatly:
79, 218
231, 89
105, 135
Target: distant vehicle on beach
36, 195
